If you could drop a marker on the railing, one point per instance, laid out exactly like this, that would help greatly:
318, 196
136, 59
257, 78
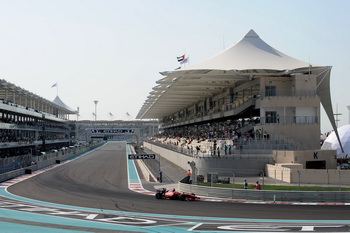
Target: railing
288, 92
235, 105
269, 196
289, 120
11, 164
242, 146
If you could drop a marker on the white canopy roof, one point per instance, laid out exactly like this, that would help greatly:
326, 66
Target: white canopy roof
250, 53
60, 103
250, 57
332, 143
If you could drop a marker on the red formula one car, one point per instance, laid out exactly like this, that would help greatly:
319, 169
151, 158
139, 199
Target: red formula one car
173, 195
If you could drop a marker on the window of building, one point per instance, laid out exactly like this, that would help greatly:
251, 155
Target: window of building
270, 90
271, 117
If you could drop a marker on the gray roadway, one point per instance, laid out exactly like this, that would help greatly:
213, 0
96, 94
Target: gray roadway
99, 180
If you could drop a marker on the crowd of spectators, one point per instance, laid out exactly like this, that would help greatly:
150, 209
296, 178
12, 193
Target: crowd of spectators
215, 139
11, 152
216, 108
23, 107
12, 136
224, 129
34, 124
19, 134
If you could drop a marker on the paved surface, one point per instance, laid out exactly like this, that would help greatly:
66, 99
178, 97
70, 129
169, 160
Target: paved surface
99, 180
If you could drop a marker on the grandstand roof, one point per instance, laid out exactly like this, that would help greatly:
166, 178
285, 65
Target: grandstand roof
250, 53
18, 96
59, 102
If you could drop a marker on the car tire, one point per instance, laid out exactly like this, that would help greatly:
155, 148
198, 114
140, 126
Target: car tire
182, 197
159, 195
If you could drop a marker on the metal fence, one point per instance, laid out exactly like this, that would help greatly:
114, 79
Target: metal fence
267, 196
248, 147
11, 167
15, 162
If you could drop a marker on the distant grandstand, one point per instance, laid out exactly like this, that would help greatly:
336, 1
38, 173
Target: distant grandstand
144, 128
30, 126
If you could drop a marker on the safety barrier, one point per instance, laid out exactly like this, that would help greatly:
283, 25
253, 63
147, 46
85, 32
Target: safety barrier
267, 195
47, 160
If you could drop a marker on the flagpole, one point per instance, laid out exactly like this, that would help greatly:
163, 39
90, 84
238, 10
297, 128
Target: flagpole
223, 42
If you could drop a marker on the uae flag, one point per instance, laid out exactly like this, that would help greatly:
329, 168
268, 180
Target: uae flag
181, 58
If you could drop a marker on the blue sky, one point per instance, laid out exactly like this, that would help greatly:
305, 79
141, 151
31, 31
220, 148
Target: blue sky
112, 51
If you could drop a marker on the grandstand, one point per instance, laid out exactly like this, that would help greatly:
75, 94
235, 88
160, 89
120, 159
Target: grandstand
144, 129
30, 126
35, 131
248, 99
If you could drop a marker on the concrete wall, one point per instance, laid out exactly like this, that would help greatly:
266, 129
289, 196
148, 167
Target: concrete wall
316, 176
303, 135
308, 176
279, 172
301, 157
251, 165
237, 165
269, 196
47, 160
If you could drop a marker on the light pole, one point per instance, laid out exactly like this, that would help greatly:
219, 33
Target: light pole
95, 101
76, 127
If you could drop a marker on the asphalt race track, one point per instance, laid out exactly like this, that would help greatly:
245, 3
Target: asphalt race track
99, 180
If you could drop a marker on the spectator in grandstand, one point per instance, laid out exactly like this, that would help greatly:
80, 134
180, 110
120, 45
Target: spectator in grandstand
198, 148
266, 135
214, 147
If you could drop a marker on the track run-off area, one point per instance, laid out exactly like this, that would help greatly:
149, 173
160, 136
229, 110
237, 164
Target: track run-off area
101, 191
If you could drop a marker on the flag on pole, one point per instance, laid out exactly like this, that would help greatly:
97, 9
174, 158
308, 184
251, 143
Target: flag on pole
181, 58
55, 85
184, 61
